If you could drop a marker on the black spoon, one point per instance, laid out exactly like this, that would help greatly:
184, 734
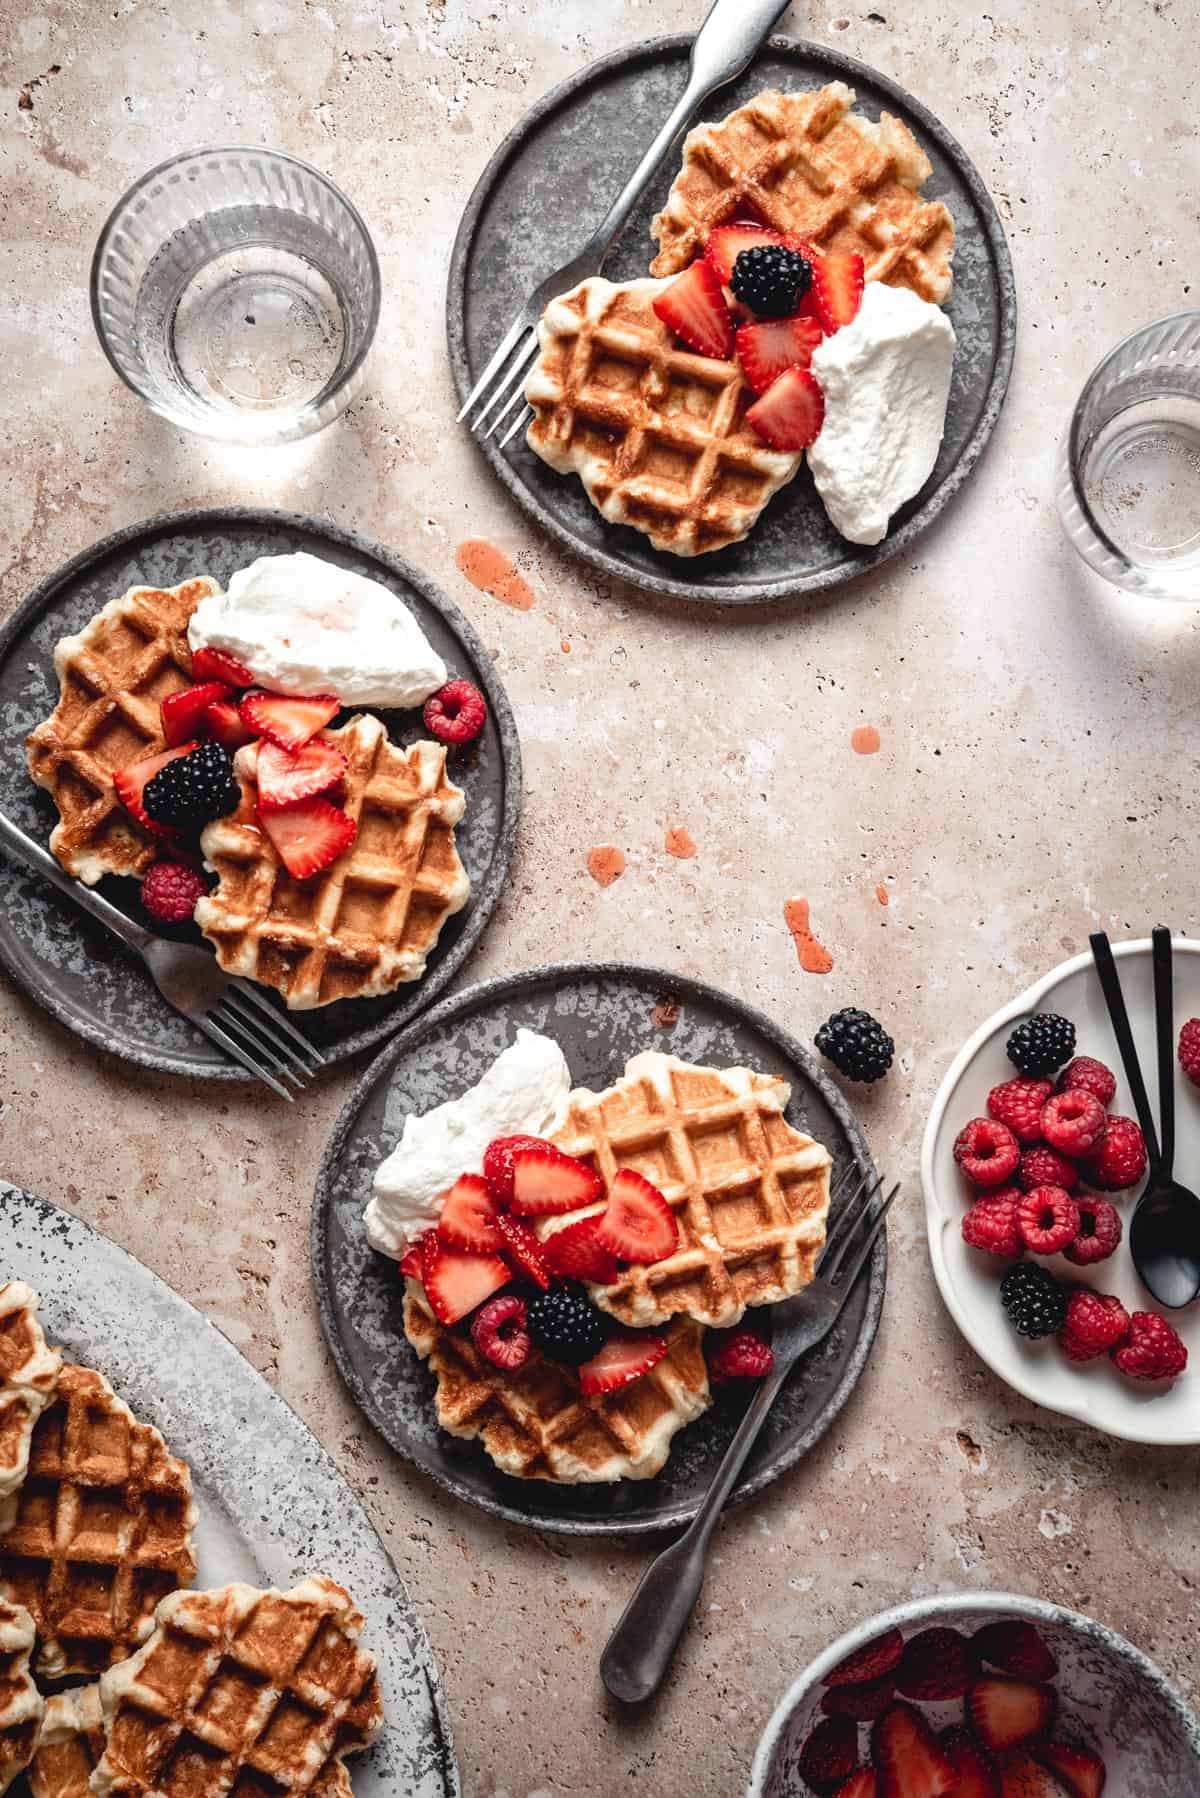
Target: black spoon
1164, 1234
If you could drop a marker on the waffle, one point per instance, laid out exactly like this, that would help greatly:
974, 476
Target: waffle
749, 1192
113, 677
102, 1530
243, 1692
367, 923
69, 1746
28, 1377
537, 1425
21, 1703
808, 166
656, 433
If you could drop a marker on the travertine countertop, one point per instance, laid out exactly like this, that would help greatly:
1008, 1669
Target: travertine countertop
1032, 782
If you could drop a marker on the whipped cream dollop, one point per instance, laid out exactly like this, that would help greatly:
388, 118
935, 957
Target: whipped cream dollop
886, 381
303, 625
523, 1093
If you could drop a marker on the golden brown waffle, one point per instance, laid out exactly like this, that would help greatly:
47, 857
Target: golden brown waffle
28, 1377
656, 433
21, 1704
806, 165
366, 924
750, 1193
113, 677
241, 1692
103, 1528
69, 1746
537, 1425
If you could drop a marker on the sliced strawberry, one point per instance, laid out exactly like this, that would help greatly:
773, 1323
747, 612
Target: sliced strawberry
183, 713
622, 1360
871, 1661
791, 412
1004, 1713
908, 1757
693, 306
498, 1164
223, 722
288, 722
217, 664
309, 836
837, 288
410, 1261
1080, 1770
546, 1182
863, 1784
1015, 1647
829, 1754
728, 241
865, 1700
574, 1254
638, 1225
469, 1217
130, 783
977, 1777
456, 1283
936, 1666
769, 345
523, 1251
285, 776
1024, 1776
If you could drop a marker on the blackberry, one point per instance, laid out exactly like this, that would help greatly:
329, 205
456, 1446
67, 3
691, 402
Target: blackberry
1035, 1301
857, 1045
1041, 1044
566, 1325
192, 789
771, 279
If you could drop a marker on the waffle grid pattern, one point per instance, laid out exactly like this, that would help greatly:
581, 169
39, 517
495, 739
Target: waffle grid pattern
808, 167
69, 1746
28, 1377
21, 1704
366, 924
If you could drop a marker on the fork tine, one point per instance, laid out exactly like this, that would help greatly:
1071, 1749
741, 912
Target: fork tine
847, 1221
523, 418
518, 394
226, 1042
504, 348
248, 1032
244, 990
864, 1249
289, 1061
512, 377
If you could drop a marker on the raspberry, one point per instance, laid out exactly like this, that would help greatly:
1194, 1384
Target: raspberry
500, 1332
1189, 1050
1095, 1323
991, 1224
1046, 1167
1018, 1103
456, 713
1099, 1231
170, 891
987, 1152
1153, 1350
1073, 1122
1120, 1160
1087, 1074
741, 1355
1048, 1219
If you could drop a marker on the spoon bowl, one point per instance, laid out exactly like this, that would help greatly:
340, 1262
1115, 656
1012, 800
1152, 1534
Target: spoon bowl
1164, 1241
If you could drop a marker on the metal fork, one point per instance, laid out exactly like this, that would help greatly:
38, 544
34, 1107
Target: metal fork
239, 1019
640, 1648
726, 43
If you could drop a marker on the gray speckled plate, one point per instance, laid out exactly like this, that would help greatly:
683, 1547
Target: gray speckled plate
601, 1014
272, 1505
548, 185
70, 964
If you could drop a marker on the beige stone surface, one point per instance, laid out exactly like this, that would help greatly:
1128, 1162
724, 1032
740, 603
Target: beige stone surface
1032, 782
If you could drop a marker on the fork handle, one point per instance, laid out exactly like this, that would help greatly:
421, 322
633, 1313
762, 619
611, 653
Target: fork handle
727, 42
23, 849
639, 1650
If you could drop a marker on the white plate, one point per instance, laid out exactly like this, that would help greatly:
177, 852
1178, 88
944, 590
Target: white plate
969, 1281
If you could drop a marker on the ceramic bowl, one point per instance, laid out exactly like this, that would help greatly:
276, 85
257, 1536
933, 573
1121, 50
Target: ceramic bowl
1112, 1697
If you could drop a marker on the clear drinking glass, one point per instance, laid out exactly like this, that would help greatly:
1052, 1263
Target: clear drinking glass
1128, 483
237, 292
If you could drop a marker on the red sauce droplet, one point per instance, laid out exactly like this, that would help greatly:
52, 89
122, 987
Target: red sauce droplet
865, 740
881, 893
679, 842
489, 569
565, 647
813, 956
605, 863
